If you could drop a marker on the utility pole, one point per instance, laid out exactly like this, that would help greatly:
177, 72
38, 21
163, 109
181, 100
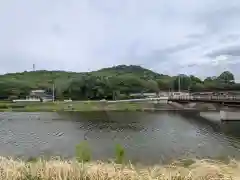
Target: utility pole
179, 84
33, 67
53, 92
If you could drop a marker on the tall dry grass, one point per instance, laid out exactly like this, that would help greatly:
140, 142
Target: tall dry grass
72, 170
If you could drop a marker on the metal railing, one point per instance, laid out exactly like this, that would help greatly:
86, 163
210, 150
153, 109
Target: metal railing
207, 98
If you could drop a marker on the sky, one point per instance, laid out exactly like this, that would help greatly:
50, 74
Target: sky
199, 37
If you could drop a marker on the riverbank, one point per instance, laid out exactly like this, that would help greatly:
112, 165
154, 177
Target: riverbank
79, 106
59, 170
93, 106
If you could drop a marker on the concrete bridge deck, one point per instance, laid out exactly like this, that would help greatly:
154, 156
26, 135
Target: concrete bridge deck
234, 100
228, 106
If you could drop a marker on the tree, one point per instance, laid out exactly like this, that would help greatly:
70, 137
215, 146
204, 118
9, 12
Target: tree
183, 80
197, 87
152, 86
195, 79
108, 83
226, 77
165, 83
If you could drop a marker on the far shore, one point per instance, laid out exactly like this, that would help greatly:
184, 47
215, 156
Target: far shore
86, 106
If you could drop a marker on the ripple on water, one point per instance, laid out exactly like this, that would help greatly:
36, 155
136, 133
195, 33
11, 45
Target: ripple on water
157, 136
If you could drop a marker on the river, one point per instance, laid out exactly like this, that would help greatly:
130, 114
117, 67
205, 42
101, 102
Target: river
147, 137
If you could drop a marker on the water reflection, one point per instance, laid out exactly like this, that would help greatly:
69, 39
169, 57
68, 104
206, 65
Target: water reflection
231, 128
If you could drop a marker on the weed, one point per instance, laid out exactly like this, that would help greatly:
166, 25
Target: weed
83, 153
32, 159
119, 154
187, 162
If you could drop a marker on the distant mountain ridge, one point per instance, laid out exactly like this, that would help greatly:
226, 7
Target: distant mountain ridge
110, 71
131, 69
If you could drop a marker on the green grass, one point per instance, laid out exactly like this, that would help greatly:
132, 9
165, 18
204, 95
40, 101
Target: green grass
120, 154
83, 153
70, 106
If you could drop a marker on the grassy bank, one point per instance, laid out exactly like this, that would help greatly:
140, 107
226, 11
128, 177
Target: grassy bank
72, 106
72, 170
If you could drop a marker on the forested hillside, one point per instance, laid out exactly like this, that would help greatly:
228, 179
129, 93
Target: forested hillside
110, 83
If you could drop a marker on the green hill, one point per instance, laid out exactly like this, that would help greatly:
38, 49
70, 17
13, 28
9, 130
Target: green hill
18, 85
129, 70
104, 83
44, 78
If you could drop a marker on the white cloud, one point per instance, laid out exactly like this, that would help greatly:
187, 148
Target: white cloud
172, 37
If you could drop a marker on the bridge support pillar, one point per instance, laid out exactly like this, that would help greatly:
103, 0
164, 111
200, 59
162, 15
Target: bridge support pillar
228, 115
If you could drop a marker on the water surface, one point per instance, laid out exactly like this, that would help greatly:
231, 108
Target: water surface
147, 137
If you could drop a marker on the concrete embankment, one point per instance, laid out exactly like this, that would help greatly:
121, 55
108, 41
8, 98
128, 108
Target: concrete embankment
222, 115
206, 111
211, 116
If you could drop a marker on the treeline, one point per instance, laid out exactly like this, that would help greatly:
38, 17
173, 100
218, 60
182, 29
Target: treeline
110, 83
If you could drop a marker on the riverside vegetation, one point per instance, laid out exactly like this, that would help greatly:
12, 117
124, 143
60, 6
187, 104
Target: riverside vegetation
72, 106
84, 169
109, 83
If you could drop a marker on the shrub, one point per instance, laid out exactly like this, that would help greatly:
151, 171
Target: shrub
119, 154
3, 106
83, 153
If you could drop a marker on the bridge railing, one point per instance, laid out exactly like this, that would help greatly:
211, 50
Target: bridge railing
189, 97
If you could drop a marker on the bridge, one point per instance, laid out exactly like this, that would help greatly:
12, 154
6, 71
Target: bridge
204, 98
226, 107
234, 100
218, 101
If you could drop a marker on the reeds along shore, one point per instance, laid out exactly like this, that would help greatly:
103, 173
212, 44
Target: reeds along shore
72, 170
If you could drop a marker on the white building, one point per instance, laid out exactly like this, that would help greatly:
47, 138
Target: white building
36, 96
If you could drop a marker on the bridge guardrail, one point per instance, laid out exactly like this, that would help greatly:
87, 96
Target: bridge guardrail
226, 98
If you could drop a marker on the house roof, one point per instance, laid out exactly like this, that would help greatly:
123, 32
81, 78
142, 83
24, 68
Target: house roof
38, 91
